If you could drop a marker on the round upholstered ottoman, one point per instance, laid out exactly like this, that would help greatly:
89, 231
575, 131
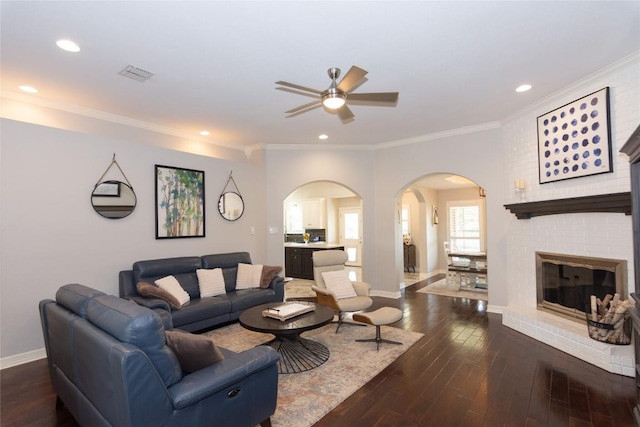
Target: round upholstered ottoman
381, 316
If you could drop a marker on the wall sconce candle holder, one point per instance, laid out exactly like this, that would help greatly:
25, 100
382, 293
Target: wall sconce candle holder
520, 188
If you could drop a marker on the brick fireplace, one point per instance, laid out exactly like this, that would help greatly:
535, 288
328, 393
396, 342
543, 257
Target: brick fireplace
564, 283
598, 235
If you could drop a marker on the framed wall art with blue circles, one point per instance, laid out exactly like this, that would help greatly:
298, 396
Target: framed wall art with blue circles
575, 139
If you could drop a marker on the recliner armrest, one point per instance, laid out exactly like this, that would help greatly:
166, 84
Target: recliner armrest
362, 288
326, 297
233, 368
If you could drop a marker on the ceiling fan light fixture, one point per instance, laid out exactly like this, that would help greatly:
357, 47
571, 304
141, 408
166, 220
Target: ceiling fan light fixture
333, 101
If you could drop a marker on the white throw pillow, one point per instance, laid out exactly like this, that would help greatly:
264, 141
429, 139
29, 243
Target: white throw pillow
338, 282
171, 285
249, 276
211, 282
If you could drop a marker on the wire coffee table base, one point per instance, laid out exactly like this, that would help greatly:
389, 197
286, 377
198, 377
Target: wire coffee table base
298, 354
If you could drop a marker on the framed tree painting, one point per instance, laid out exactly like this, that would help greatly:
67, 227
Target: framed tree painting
575, 139
179, 203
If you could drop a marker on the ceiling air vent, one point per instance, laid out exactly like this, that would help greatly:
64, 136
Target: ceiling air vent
136, 73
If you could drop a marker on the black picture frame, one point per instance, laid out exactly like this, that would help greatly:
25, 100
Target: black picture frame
575, 140
179, 202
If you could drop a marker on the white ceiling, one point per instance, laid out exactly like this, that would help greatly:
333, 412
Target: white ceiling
455, 64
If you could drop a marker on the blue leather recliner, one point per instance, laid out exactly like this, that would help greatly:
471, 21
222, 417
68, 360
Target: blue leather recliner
110, 366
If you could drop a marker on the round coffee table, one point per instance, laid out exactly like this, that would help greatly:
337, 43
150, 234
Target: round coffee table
297, 354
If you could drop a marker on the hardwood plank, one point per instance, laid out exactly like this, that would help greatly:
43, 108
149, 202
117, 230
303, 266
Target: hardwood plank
468, 370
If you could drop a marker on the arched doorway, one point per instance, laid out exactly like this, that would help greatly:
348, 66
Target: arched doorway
439, 208
329, 215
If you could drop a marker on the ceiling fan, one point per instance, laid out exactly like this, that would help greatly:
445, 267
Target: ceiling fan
336, 97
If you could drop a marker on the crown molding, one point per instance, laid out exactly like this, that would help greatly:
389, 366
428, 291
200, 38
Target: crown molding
319, 147
440, 135
108, 117
567, 91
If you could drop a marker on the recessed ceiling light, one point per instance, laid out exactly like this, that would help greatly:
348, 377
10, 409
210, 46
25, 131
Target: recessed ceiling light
323, 136
28, 89
523, 88
205, 133
68, 45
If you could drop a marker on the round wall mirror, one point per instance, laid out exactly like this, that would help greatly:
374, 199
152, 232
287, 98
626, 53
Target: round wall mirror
113, 199
231, 206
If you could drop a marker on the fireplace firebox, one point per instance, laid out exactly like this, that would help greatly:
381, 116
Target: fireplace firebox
566, 282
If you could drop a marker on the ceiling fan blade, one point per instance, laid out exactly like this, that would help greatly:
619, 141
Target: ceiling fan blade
386, 97
351, 79
345, 114
310, 108
298, 92
303, 88
303, 107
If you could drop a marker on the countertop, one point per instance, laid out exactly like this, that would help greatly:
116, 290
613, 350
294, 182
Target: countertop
313, 245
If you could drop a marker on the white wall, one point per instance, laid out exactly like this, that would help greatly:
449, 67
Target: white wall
591, 234
379, 177
50, 234
475, 155
351, 168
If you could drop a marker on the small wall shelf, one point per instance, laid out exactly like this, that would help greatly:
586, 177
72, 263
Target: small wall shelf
617, 203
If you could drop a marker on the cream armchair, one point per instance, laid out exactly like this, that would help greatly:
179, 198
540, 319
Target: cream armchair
334, 260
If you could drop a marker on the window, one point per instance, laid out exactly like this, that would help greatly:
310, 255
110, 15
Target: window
466, 225
406, 220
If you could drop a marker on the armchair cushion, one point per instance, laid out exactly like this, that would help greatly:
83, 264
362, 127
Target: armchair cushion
194, 352
339, 283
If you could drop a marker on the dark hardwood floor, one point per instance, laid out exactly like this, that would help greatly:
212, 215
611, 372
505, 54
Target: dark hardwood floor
468, 370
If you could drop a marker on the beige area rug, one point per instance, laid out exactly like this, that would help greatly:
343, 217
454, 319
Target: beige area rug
299, 288
305, 397
442, 288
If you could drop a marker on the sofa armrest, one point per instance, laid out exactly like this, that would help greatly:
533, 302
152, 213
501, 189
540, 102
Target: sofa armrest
232, 369
151, 303
277, 284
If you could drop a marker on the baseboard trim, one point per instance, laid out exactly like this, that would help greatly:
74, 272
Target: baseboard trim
19, 359
385, 294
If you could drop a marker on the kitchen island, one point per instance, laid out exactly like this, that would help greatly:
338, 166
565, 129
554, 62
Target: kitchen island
298, 258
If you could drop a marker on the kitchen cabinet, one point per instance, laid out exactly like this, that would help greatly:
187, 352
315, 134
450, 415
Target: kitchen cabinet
298, 258
313, 213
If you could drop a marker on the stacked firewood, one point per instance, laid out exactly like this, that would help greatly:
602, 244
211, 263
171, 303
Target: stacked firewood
607, 319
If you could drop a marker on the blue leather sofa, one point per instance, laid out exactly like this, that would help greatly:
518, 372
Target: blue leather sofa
110, 366
204, 313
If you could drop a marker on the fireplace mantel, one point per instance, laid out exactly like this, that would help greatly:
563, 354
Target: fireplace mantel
616, 203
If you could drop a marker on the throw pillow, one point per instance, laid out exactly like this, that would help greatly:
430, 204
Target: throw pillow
211, 282
268, 273
338, 282
194, 352
151, 291
248, 276
171, 285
